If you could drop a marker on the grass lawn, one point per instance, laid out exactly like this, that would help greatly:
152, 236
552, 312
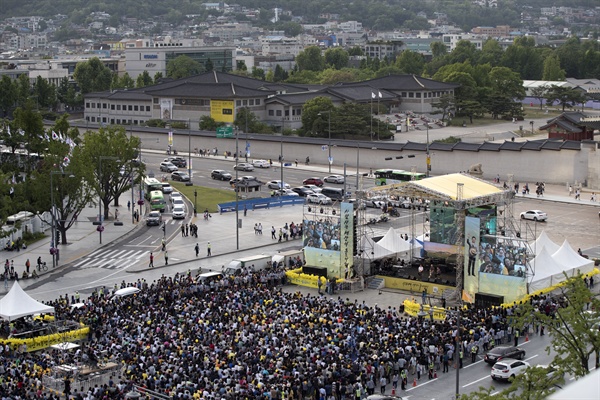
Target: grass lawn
530, 113
207, 197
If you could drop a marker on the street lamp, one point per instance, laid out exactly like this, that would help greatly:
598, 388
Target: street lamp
54, 242
189, 150
428, 158
236, 189
330, 160
100, 218
531, 123
195, 200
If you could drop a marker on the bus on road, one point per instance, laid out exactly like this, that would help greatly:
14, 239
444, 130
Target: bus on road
391, 176
150, 185
157, 201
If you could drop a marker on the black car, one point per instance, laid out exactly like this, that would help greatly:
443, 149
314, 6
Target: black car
302, 191
180, 176
154, 218
179, 162
502, 352
220, 175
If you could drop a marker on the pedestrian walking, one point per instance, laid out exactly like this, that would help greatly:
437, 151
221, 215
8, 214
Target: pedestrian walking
245, 210
296, 161
570, 190
187, 229
129, 206
27, 266
166, 257
197, 249
273, 232
208, 253
319, 284
260, 228
151, 265
516, 337
382, 382
182, 231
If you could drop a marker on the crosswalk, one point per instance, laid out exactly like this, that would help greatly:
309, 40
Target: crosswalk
111, 259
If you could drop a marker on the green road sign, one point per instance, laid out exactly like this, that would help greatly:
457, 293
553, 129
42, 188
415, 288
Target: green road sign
225, 132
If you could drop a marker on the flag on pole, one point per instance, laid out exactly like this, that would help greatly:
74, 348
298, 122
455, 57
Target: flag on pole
54, 135
12, 191
46, 136
380, 95
8, 130
66, 161
13, 180
21, 132
372, 95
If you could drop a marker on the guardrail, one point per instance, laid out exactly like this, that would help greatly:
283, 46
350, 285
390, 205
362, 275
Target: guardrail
253, 204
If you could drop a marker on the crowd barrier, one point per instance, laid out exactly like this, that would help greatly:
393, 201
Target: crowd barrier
42, 342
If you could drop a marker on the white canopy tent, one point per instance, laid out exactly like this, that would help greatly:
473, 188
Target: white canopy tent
394, 243
543, 241
573, 263
547, 271
17, 304
373, 250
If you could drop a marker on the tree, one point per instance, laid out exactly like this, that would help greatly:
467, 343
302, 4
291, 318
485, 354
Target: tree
336, 58
552, 70
103, 153
144, 79
92, 76
280, 74
522, 57
356, 51
45, 93
183, 66
445, 106
9, 95
291, 29
126, 81
258, 73
438, 49
539, 93
312, 122
31, 127
208, 123
411, 62
310, 59
464, 51
565, 96
158, 77
65, 93
571, 328
491, 52
333, 76
208, 65
507, 83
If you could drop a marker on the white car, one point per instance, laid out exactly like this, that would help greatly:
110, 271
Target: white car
508, 368
334, 179
286, 192
261, 164
535, 215
178, 202
175, 196
167, 188
318, 198
166, 166
277, 184
314, 188
178, 212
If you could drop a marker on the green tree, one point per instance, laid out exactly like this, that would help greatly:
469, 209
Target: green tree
570, 55
564, 96
445, 105
506, 82
103, 153
411, 62
336, 57
9, 95
333, 76
491, 52
438, 49
280, 74
92, 76
208, 65
310, 59
291, 29
552, 70
464, 51
312, 122
144, 79
158, 77
126, 81
356, 51
208, 123
29, 122
23, 87
45, 93
303, 77
539, 93
183, 66
523, 58
66, 94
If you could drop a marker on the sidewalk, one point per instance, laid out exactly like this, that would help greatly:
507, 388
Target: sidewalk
84, 239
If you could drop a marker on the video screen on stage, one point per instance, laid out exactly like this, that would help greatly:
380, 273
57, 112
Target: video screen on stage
323, 233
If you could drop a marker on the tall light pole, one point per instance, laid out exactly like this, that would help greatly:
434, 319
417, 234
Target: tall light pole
104, 186
53, 242
329, 159
189, 150
236, 189
428, 157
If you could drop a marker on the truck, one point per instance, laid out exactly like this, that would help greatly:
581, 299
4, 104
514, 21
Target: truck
285, 257
260, 262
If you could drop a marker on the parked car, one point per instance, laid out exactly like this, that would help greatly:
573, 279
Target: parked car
261, 164
180, 176
277, 184
384, 397
535, 215
334, 179
154, 218
313, 181
507, 369
318, 198
302, 191
243, 167
178, 212
243, 179
167, 188
167, 166
502, 352
220, 175
179, 162
286, 192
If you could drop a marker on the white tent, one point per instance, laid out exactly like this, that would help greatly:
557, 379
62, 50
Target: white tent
372, 249
571, 261
547, 271
544, 241
586, 388
393, 242
17, 304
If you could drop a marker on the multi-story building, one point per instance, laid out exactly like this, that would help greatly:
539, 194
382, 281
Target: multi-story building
383, 49
452, 40
488, 31
271, 45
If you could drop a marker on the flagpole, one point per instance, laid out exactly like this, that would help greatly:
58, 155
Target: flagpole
371, 133
378, 119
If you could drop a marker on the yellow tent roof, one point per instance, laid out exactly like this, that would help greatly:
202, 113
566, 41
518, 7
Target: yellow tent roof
446, 185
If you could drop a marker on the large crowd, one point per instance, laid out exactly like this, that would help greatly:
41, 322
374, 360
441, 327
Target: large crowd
245, 338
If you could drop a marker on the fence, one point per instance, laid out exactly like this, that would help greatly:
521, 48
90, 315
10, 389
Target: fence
254, 204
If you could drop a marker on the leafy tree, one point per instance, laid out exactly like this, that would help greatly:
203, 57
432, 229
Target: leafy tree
552, 70
144, 79
103, 153
539, 93
336, 58
356, 51
438, 49
29, 123
182, 67
411, 62
258, 73
9, 95
310, 59
291, 29
241, 65
574, 338
280, 74
303, 77
23, 87
332, 76
523, 58
445, 106
45, 93
126, 81
158, 77
505, 82
464, 51
570, 55
65, 93
208, 65
208, 123
491, 52
565, 96
312, 122
92, 76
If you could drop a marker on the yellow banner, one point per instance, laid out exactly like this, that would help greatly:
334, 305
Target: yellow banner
417, 287
222, 110
413, 308
42, 342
